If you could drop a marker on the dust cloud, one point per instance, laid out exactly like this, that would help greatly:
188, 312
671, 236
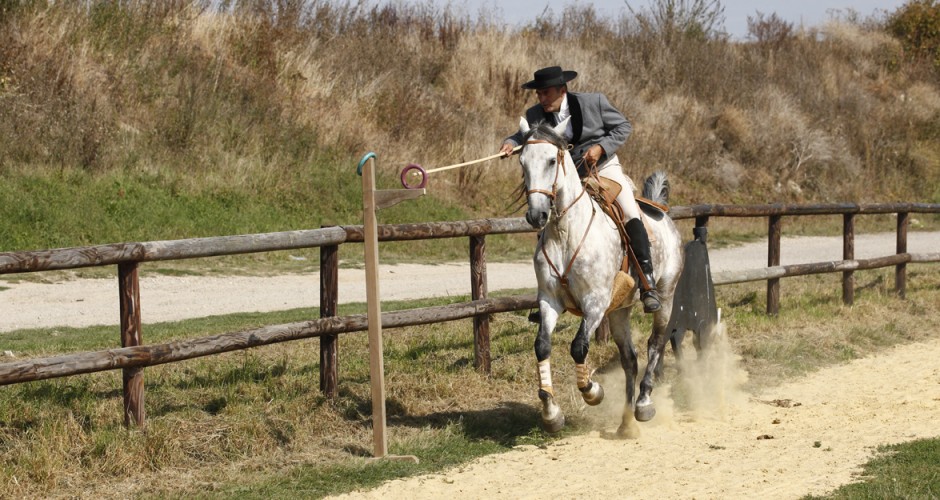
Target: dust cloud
706, 385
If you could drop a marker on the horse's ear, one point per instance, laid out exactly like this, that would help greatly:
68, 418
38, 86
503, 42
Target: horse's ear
523, 126
560, 128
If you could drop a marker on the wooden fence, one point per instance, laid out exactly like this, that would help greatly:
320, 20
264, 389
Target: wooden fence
133, 355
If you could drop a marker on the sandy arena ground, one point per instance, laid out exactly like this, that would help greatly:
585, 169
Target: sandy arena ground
806, 437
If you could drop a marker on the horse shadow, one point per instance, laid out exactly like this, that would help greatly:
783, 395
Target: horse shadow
503, 424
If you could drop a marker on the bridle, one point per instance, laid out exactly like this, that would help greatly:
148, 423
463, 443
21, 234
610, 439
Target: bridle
560, 161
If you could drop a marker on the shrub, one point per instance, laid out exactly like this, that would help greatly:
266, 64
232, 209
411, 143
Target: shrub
771, 32
917, 25
677, 19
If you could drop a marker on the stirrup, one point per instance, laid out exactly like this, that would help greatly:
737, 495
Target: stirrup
650, 300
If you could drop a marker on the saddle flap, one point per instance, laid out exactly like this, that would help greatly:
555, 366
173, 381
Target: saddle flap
648, 205
602, 189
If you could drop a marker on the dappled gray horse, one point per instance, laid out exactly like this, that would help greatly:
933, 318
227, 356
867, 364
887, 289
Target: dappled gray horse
577, 261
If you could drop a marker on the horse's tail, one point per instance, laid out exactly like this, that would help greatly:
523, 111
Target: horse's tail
656, 187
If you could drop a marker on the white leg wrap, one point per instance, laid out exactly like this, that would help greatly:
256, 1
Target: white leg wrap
545, 376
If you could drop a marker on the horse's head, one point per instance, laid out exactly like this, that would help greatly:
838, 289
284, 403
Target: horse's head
542, 159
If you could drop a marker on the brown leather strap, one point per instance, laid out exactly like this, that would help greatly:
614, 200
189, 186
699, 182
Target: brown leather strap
650, 203
644, 284
581, 243
563, 212
563, 277
559, 160
550, 194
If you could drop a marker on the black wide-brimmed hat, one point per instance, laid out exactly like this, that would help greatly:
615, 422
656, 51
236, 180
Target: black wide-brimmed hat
550, 77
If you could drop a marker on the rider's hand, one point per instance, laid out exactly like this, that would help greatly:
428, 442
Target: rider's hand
593, 154
506, 149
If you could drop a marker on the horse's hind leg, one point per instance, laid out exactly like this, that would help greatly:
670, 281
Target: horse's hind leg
620, 329
591, 391
553, 420
655, 349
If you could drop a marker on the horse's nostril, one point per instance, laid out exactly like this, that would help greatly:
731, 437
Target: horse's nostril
536, 219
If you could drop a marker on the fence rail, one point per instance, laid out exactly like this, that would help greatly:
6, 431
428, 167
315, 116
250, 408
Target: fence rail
133, 356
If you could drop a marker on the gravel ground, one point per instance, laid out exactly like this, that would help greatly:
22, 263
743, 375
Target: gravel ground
86, 302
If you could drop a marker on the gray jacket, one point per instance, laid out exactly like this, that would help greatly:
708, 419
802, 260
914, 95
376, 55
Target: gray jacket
593, 121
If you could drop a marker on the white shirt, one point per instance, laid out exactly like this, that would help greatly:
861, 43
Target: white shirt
564, 112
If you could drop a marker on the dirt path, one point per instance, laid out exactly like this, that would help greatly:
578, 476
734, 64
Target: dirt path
806, 437
87, 302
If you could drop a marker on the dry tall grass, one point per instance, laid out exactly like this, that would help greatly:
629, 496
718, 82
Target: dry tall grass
245, 94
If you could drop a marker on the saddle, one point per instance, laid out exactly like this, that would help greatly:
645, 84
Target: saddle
605, 191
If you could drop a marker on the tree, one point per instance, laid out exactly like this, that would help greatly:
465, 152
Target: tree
917, 25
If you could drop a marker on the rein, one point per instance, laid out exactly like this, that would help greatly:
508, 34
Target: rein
560, 160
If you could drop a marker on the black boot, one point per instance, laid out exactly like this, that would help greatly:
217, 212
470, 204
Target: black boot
640, 243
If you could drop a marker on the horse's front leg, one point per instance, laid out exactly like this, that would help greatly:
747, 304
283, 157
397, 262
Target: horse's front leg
553, 420
591, 391
655, 349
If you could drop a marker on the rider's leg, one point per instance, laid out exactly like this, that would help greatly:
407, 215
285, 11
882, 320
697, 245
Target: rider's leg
640, 243
639, 240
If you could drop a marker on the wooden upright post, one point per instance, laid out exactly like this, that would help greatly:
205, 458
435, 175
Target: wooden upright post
374, 309
773, 259
129, 292
329, 291
481, 323
848, 253
372, 201
900, 271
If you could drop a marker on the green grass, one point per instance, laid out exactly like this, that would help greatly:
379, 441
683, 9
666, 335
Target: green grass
76, 209
234, 407
906, 470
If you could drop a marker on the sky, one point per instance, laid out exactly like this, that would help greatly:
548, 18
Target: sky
806, 13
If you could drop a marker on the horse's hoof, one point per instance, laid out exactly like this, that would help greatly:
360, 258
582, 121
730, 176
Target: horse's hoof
555, 424
594, 395
645, 413
628, 431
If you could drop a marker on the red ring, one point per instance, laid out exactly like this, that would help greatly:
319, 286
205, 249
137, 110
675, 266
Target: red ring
407, 170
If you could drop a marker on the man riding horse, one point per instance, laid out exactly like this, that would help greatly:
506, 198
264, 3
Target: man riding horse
596, 130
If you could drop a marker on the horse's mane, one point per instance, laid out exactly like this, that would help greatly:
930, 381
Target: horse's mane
544, 131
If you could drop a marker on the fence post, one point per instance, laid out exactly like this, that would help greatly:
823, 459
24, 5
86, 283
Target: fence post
848, 253
129, 298
481, 323
900, 271
701, 221
773, 259
329, 297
